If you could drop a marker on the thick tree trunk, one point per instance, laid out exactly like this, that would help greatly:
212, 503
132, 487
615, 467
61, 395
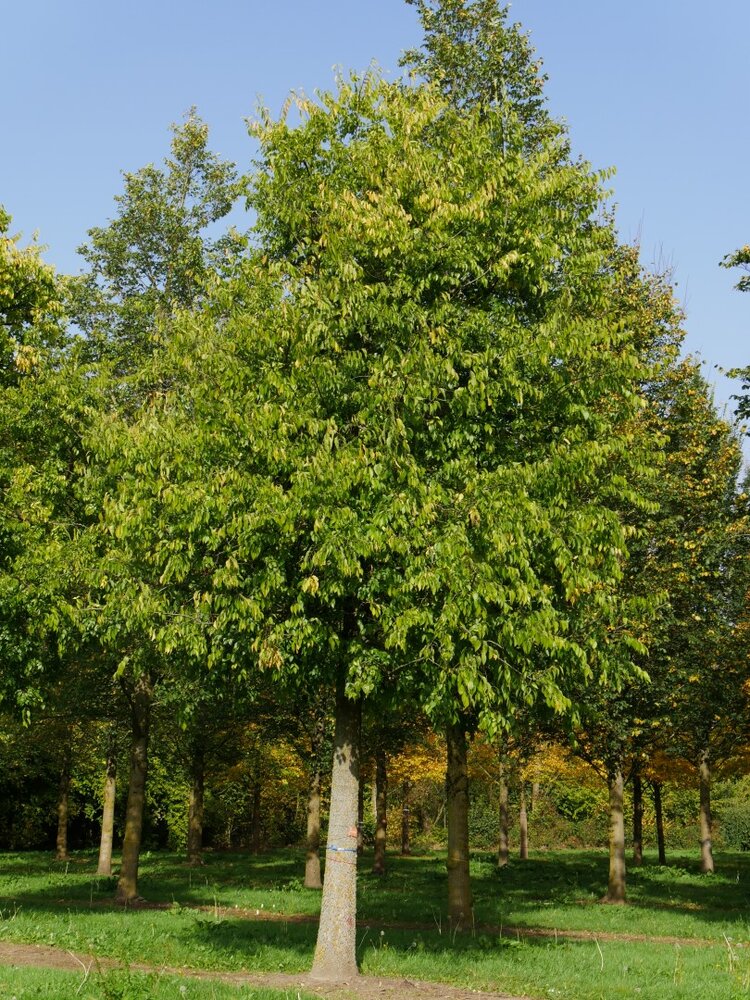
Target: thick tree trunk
707, 854
140, 704
616, 887
405, 819
104, 866
659, 813
312, 857
255, 823
523, 825
63, 804
637, 819
195, 806
335, 951
503, 850
360, 812
457, 810
381, 786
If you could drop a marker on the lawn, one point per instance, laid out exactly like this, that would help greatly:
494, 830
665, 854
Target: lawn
701, 922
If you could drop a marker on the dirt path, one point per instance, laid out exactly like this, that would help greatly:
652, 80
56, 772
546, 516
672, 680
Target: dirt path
363, 988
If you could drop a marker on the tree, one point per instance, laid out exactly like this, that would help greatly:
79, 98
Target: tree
406, 419
741, 258
154, 259
480, 60
422, 317
158, 254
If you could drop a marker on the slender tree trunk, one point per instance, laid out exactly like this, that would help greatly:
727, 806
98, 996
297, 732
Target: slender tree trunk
616, 887
381, 785
195, 805
523, 824
405, 819
637, 819
335, 951
63, 804
256, 826
659, 812
535, 789
108, 809
503, 850
457, 810
313, 879
707, 855
312, 857
360, 812
140, 703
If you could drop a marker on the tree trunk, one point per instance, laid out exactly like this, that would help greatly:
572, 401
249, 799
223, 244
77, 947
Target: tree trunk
335, 950
140, 703
360, 810
637, 819
312, 858
108, 810
523, 825
707, 855
63, 803
616, 887
381, 785
195, 806
535, 789
503, 850
256, 826
656, 786
457, 810
405, 819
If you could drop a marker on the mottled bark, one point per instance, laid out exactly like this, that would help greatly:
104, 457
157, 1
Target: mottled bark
503, 850
63, 806
457, 810
659, 813
335, 950
616, 886
707, 854
523, 824
313, 878
140, 697
381, 787
637, 819
104, 866
195, 806
406, 818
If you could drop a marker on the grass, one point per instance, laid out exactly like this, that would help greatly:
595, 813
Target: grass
69, 907
50, 984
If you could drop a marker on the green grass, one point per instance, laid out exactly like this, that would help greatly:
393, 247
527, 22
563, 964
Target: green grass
69, 907
50, 984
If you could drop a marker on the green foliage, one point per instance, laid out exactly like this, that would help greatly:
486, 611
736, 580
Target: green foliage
735, 826
740, 258
156, 255
479, 59
577, 802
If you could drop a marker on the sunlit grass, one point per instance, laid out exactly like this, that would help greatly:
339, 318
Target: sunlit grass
403, 930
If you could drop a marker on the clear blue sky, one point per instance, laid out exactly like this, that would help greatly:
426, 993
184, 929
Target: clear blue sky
656, 89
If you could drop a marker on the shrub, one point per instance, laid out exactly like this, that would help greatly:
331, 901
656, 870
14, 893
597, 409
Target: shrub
735, 826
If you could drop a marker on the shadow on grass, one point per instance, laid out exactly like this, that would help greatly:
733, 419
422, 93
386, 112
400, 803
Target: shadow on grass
412, 892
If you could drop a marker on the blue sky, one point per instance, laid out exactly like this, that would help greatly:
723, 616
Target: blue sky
656, 89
